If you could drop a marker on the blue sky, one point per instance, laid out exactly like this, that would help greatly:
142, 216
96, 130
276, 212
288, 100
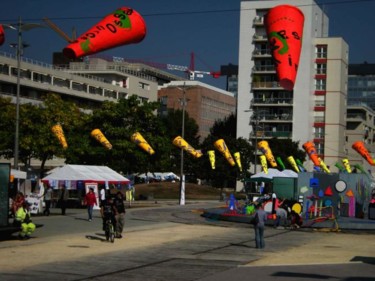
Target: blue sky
209, 28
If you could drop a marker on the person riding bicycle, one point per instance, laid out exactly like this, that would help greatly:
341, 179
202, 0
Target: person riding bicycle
107, 211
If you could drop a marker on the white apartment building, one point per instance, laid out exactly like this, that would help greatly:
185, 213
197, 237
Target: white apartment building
316, 108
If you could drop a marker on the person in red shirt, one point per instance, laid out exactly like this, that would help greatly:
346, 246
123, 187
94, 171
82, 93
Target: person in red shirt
90, 202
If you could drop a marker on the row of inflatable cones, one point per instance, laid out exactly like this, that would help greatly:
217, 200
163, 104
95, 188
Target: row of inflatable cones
138, 139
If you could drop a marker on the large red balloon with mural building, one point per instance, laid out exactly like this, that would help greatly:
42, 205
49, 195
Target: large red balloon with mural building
123, 26
284, 27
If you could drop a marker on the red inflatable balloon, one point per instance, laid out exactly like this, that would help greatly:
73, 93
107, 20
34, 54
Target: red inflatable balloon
123, 26
284, 27
2, 35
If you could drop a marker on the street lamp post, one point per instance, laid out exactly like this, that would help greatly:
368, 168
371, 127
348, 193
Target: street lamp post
19, 27
182, 176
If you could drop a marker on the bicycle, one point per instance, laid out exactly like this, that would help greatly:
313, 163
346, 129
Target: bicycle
109, 230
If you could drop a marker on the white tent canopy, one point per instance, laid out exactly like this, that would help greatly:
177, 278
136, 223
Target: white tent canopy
18, 174
99, 174
275, 173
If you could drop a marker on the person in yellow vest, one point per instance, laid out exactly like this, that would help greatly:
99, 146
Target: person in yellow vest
23, 219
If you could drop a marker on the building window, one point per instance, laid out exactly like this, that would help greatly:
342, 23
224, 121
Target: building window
320, 84
144, 86
321, 51
320, 68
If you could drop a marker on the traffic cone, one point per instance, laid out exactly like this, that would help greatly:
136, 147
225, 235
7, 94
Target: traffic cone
59, 133
138, 139
123, 26
181, 143
99, 136
266, 150
222, 147
284, 27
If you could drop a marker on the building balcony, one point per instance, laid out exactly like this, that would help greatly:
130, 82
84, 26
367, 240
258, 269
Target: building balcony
260, 38
272, 101
264, 69
355, 117
270, 134
271, 85
264, 53
274, 117
258, 21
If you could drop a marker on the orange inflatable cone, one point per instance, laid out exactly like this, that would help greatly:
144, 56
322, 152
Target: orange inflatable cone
98, 135
138, 139
309, 147
181, 143
59, 133
211, 156
237, 157
123, 26
359, 146
222, 147
264, 147
284, 27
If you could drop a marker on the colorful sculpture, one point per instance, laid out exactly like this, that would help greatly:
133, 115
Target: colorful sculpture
284, 27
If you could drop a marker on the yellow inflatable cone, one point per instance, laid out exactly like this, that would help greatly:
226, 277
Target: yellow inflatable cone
222, 147
59, 133
324, 167
181, 143
98, 135
211, 156
345, 161
138, 139
263, 162
293, 163
266, 150
237, 157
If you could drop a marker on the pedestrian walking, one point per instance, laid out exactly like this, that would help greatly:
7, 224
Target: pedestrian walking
119, 207
90, 202
260, 220
63, 199
102, 195
47, 196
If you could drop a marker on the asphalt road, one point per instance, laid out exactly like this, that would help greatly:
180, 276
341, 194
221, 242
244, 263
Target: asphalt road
171, 242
